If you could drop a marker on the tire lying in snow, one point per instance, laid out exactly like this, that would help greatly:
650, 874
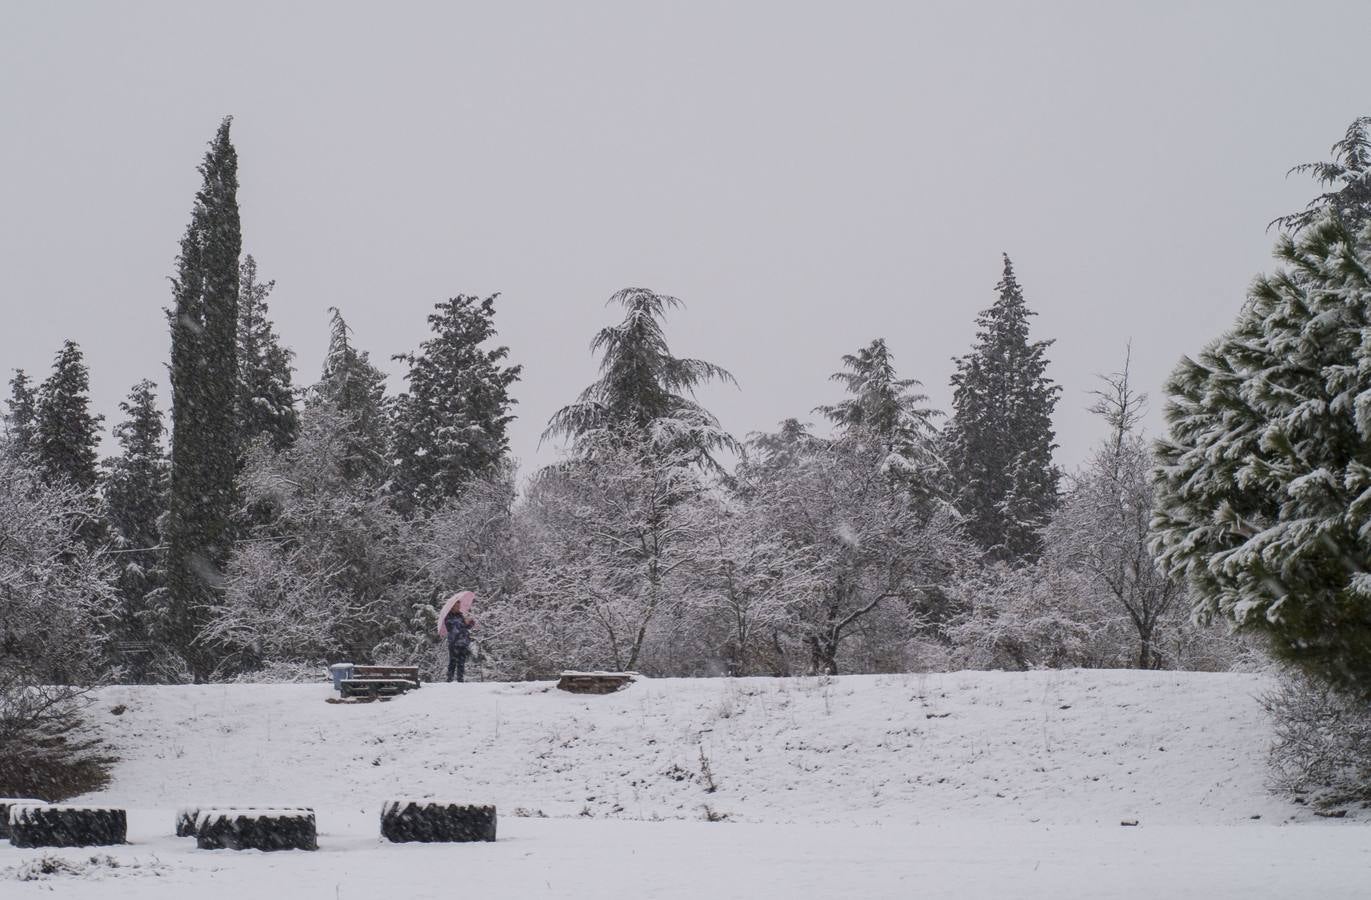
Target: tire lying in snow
66, 826
256, 829
6, 803
429, 822
186, 816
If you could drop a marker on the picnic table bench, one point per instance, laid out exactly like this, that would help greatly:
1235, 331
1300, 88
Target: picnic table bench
379, 681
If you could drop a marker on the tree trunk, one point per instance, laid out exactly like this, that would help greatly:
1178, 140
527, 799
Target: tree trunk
823, 652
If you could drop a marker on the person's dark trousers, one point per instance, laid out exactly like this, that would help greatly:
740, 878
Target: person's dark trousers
456, 662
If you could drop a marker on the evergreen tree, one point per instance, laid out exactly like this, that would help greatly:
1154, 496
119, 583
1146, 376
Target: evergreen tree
66, 434
21, 421
1348, 177
1000, 440
450, 425
135, 494
642, 386
266, 399
356, 390
204, 390
1264, 480
885, 410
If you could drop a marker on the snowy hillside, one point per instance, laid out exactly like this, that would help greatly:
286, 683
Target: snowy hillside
972, 781
1064, 747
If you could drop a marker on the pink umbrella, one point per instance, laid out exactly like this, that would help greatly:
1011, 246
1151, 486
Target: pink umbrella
463, 603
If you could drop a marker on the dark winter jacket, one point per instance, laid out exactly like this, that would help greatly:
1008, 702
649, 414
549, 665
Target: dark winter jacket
458, 632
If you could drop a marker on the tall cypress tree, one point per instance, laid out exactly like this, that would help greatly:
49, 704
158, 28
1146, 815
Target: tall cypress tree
204, 388
1000, 439
21, 419
450, 425
266, 399
65, 433
135, 493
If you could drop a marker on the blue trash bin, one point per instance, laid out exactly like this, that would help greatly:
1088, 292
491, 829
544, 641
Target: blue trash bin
340, 672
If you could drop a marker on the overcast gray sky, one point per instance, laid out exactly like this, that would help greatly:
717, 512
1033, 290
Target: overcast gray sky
805, 176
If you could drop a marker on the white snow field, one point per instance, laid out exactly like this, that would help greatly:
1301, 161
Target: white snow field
970, 784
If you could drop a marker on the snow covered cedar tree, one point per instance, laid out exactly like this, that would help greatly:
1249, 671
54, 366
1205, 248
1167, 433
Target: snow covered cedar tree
449, 427
66, 433
1264, 483
1000, 439
204, 390
641, 383
1348, 177
266, 399
884, 411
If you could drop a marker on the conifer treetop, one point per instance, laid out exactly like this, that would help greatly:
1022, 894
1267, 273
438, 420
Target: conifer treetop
66, 431
1347, 174
641, 383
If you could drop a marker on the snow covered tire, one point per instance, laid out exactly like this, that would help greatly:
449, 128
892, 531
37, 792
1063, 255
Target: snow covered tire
66, 826
428, 822
256, 829
6, 803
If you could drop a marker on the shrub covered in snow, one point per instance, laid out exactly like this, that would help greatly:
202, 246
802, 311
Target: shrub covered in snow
53, 589
1322, 746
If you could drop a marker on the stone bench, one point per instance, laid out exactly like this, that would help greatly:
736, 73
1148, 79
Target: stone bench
595, 682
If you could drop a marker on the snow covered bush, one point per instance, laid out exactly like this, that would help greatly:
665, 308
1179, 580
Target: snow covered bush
1101, 531
1029, 617
326, 577
744, 580
1264, 483
872, 556
54, 593
46, 749
610, 538
1322, 748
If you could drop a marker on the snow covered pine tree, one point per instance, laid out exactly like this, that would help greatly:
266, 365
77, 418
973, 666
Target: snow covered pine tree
1264, 485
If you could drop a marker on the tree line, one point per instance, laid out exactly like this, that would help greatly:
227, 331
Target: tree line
273, 527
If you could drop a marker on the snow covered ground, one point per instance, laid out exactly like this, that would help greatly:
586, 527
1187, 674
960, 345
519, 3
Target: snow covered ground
956, 785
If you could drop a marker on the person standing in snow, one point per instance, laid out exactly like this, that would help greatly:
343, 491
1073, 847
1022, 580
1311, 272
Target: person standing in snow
459, 627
